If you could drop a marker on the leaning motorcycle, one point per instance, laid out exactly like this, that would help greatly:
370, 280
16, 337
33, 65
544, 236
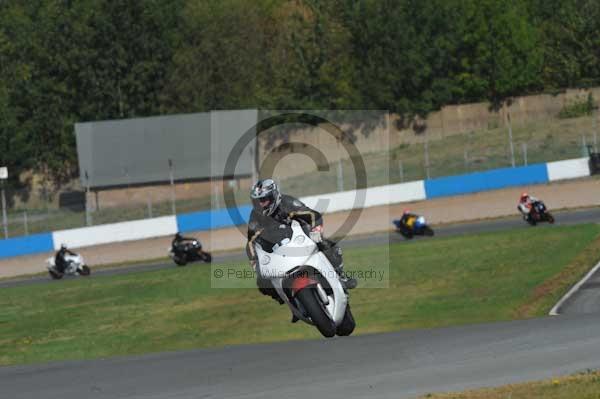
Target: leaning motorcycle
539, 213
415, 226
75, 267
190, 251
307, 282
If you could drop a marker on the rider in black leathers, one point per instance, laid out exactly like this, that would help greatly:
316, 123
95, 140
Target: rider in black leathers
59, 259
178, 239
270, 221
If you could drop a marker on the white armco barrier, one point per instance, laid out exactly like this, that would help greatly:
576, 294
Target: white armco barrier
375, 196
569, 169
115, 232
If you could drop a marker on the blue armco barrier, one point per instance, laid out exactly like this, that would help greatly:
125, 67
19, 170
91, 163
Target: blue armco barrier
27, 245
489, 180
208, 220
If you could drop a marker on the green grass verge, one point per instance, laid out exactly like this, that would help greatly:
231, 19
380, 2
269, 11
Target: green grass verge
578, 386
446, 281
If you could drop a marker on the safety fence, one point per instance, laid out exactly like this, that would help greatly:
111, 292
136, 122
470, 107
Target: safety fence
332, 202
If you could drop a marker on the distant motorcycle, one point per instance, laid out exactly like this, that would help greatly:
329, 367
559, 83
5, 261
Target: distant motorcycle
414, 226
75, 267
188, 251
539, 213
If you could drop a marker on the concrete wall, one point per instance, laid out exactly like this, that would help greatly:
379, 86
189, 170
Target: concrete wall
450, 120
123, 197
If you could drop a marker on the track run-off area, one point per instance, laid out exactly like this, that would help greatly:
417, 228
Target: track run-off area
401, 364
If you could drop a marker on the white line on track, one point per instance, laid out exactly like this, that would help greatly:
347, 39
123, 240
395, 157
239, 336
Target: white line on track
573, 290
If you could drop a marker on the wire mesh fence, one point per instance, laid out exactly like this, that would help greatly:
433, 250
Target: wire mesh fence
31, 211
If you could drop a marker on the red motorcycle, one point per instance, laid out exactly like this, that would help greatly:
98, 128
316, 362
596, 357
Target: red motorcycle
539, 213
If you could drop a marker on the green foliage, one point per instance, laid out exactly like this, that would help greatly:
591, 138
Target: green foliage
577, 107
63, 62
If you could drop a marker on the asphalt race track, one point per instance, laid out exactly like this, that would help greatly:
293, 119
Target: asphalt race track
562, 218
586, 299
393, 365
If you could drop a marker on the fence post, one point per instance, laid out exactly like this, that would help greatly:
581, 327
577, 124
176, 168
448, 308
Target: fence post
3, 177
171, 178
427, 158
4, 218
88, 215
466, 156
25, 223
340, 176
595, 125
216, 201
524, 148
401, 170
340, 169
510, 139
149, 207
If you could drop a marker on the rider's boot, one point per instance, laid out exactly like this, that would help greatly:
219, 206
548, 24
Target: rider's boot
348, 282
334, 254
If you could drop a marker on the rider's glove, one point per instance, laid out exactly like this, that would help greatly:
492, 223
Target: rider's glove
315, 234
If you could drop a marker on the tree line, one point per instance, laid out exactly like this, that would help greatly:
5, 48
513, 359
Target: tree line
65, 61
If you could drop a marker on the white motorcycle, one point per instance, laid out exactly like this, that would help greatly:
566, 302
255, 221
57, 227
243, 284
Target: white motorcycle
307, 282
75, 267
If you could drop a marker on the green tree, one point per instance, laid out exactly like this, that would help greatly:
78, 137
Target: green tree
571, 45
220, 58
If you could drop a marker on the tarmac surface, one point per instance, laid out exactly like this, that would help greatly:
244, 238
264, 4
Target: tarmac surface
393, 365
403, 364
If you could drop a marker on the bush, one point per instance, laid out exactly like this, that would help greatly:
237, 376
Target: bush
578, 108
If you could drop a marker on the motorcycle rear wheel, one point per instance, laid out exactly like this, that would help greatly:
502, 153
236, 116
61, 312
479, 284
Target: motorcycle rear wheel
314, 308
206, 257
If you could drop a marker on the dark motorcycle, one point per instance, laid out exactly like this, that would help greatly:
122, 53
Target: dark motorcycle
184, 252
539, 213
414, 226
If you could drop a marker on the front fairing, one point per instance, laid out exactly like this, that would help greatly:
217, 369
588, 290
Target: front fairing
301, 251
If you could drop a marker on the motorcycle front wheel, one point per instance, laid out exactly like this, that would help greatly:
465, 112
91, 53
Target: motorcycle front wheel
428, 231
532, 220
55, 275
180, 260
309, 299
85, 270
347, 325
550, 218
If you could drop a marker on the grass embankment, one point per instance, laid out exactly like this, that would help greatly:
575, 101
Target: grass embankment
579, 386
432, 283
